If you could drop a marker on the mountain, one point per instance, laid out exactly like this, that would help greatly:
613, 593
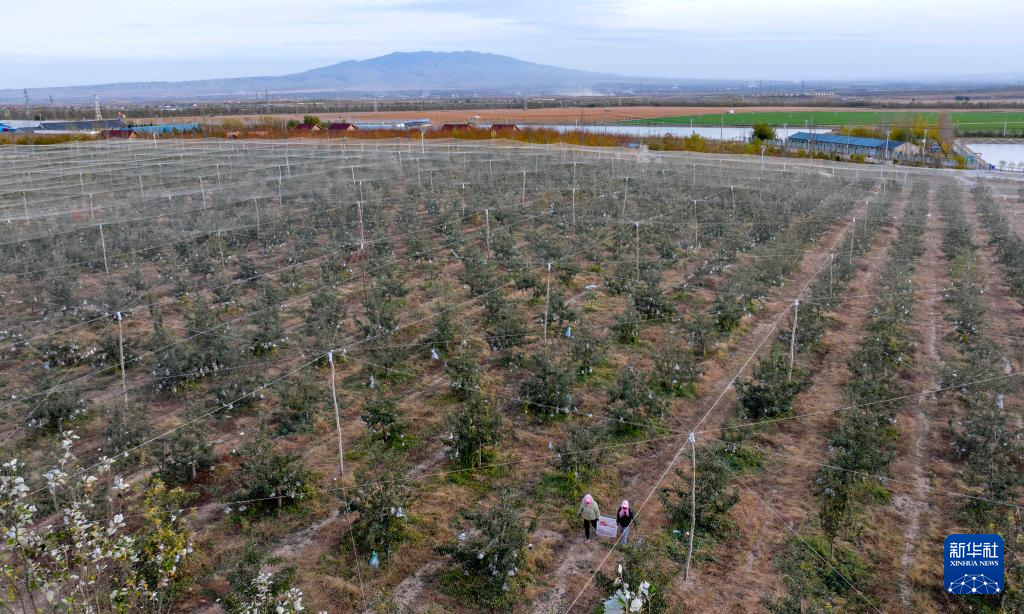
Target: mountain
393, 74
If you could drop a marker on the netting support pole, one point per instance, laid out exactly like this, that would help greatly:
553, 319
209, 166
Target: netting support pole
637, 252
574, 209
124, 382
792, 338
487, 218
853, 239
831, 263
524, 189
692, 439
625, 195
337, 419
547, 302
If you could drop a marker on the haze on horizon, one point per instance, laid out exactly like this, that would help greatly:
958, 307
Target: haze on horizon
122, 40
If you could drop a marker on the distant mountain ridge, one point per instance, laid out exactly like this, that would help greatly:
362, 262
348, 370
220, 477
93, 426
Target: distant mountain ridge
391, 74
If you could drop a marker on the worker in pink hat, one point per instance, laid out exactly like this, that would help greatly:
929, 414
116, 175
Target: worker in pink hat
624, 518
589, 512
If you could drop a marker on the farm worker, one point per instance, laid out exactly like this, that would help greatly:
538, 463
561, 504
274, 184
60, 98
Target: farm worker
623, 519
589, 512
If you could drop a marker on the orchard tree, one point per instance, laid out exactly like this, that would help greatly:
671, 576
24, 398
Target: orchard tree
208, 349
489, 555
642, 584
183, 454
381, 498
302, 401
770, 392
579, 456
627, 326
587, 350
701, 332
324, 320
474, 427
54, 407
633, 403
446, 333
464, 371
272, 479
548, 389
715, 497
380, 413
676, 373
127, 430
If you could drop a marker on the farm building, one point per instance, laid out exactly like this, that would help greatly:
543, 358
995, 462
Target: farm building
341, 127
19, 125
91, 124
118, 134
843, 145
451, 127
167, 128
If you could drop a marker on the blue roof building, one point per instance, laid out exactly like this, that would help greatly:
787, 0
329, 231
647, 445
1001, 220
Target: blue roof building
845, 145
167, 128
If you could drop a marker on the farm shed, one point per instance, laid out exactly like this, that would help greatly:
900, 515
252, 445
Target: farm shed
844, 145
167, 128
341, 127
118, 134
93, 124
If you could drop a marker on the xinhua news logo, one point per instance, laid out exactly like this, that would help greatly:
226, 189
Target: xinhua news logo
974, 564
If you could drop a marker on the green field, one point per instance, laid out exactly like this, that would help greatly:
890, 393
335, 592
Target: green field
965, 121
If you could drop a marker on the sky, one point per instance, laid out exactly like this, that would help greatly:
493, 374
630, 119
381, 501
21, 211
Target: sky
78, 42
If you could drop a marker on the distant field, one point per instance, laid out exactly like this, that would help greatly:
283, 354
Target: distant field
990, 121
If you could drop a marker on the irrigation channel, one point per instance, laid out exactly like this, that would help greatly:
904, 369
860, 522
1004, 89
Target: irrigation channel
379, 376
